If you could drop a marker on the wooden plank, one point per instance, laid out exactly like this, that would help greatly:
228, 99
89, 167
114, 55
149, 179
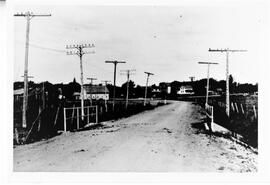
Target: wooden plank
88, 115
56, 116
242, 108
254, 110
65, 121
96, 114
78, 121
236, 107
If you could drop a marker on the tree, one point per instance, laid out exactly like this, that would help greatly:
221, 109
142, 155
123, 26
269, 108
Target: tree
131, 89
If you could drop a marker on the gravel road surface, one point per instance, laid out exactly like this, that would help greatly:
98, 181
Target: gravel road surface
168, 138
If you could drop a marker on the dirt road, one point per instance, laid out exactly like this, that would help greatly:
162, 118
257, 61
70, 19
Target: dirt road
168, 138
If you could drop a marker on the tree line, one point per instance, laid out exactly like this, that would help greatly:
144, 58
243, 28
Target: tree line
137, 91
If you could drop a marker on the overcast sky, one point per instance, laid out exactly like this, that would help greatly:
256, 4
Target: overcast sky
168, 41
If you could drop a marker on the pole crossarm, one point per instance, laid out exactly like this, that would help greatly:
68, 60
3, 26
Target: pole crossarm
91, 80
77, 46
28, 76
207, 63
148, 73
31, 14
226, 50
105, 81
127, 72
115, 62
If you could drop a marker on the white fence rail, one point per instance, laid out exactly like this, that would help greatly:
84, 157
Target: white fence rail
89, 112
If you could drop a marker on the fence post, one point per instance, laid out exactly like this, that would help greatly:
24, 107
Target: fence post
254, 109
56, 116
242, 108
88, 115
212, 118
16, 136
96, 114
72, 117
236, 108
65, 121
39, 119
232, 106
78, 121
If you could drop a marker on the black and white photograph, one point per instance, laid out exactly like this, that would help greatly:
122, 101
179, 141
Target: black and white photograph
137, 88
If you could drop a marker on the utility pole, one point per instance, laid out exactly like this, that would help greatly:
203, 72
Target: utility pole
43, 96
227, 74
28, 15
105, 88
26, 94
80, 53
114, 79
128, 73
91, 83
192, 78
145, 95
207, 86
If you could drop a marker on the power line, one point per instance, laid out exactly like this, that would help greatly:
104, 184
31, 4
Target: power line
227, 73
44, 48
28, 15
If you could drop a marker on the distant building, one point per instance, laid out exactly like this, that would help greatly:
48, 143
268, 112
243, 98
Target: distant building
165, 87
185, 90
219, 91
18, 93
96, 92
156, 90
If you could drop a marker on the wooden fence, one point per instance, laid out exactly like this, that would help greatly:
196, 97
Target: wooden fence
75, 113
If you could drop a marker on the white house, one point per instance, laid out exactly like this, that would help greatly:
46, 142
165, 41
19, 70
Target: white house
185, 90
94, 91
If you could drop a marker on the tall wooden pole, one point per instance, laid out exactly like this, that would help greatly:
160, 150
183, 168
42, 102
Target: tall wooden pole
145, 94
207, 84
80, 53
82, 89
227, 74
128, 73
28, 15
227, 84
114, 78
105, 90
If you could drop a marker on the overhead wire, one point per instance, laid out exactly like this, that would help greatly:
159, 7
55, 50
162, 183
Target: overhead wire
62, 51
